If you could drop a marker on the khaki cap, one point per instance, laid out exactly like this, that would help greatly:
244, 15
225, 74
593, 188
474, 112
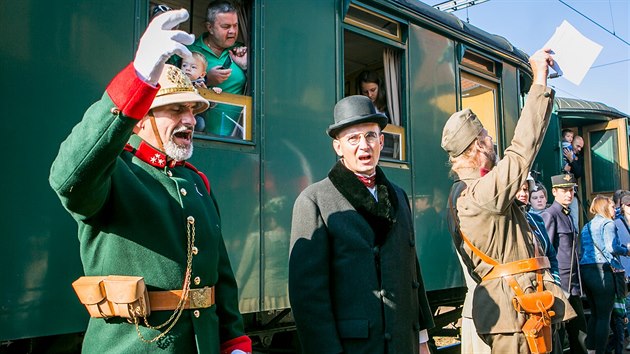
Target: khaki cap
460, 130
175, 87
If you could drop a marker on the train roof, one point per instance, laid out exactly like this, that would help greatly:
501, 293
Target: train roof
457, 27
576, 108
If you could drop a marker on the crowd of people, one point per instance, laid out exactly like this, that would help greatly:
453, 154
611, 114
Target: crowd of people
355, 282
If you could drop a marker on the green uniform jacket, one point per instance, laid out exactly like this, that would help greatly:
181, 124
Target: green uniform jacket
132, 221
494, 223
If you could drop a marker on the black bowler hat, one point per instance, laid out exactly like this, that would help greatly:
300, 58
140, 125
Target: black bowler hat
564, 180
354, 110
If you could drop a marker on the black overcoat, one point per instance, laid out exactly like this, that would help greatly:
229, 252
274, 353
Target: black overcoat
348, 293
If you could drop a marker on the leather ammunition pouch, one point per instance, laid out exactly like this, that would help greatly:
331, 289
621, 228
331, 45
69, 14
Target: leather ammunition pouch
113, 295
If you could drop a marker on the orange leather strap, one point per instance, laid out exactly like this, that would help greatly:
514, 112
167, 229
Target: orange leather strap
168, 300
516, 267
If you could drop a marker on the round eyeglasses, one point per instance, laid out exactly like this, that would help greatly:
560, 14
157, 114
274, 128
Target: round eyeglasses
355, 139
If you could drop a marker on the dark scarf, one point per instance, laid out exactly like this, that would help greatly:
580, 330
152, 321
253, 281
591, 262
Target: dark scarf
379, 215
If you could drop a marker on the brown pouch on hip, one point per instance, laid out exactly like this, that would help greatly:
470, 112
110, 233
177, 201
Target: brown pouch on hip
534, 302
537, 328
114, 295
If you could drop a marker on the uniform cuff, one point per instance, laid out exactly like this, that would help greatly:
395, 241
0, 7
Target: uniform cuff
241, 343
424, 336
130, 94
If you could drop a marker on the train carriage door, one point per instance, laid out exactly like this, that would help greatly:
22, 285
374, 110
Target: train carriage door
606, 157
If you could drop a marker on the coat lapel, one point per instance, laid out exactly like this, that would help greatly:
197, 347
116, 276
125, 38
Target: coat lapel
379, 215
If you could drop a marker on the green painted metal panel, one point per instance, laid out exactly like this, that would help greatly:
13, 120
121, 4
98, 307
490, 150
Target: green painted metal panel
234, 174
58, 58
548, 160
509, 102
432, 99
298, 60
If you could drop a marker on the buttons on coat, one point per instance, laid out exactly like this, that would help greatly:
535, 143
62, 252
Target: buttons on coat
415, 284
115, 111
383, 292
197, 280
387, 336
195, 250
183, 191
376, 250
191, 220
196, 313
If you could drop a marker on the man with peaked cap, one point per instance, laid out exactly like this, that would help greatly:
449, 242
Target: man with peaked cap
355, 284
489, 230
564, 237
142, 210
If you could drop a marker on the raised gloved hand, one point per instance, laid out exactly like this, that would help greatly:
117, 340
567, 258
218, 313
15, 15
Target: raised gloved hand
159, 42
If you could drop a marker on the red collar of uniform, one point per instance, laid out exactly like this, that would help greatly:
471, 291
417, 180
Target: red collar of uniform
152, 156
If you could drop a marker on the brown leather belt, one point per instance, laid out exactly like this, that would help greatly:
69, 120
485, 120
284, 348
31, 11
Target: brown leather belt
516, 267
168, 300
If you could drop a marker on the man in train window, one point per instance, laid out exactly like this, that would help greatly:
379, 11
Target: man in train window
227, 63
144, 211
355, 283
488, 228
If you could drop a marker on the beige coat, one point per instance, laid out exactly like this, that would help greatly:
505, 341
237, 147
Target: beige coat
492, 221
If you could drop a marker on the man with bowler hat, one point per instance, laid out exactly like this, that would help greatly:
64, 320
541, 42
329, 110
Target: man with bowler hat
355, 283
143, 211
489, 230
564, 237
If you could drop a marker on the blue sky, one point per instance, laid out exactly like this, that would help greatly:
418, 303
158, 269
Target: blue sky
528, 24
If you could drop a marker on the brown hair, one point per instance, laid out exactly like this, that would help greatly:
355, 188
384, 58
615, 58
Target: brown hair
600, 206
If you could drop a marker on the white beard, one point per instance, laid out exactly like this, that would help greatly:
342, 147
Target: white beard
178, 152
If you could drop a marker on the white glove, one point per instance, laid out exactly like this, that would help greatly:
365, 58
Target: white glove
159, 42
238, 351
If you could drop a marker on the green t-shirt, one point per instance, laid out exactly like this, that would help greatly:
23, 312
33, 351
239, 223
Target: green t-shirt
236, 82
219, 119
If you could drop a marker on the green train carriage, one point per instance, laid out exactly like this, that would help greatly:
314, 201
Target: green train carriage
303, 57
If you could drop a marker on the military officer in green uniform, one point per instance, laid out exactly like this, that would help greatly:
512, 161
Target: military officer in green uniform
142, 210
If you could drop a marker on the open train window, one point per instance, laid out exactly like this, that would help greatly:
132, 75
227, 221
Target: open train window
373, 68
480, 91
373, 22
230, 115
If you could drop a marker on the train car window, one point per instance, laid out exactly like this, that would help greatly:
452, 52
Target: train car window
230, 113
373, 22
481, 96
479, 63
373, 68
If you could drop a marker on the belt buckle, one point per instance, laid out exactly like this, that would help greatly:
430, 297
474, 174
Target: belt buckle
200, 298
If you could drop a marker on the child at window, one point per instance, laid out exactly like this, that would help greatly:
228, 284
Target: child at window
195, 68
567, 143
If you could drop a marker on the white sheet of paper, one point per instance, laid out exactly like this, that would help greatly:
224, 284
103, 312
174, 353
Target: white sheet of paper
573, 54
